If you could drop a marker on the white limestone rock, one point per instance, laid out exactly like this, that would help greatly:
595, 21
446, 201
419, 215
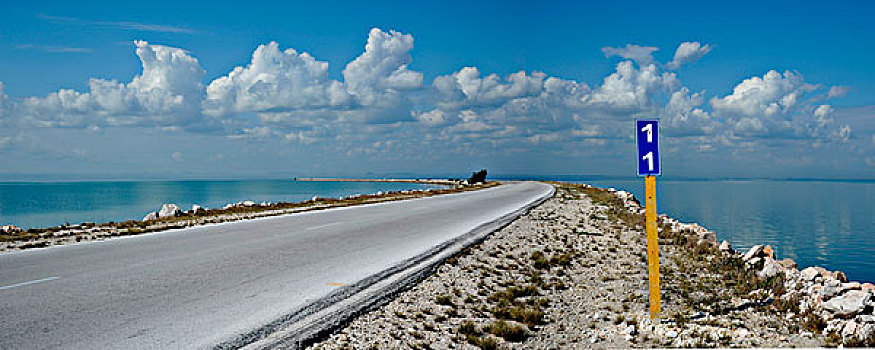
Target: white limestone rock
770, 268
849, 331
848, 304
828, 292
754, 261
725, 247
753, 252
10, 229
851, 286
788, 264
809, 274
169, 210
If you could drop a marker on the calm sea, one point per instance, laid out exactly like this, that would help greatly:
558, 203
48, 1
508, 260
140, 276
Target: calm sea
823, 223
44, 204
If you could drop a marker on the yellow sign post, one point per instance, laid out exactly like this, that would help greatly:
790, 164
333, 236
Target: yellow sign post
652, 245
647, 140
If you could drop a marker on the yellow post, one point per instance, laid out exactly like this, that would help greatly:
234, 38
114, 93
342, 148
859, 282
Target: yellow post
652, 245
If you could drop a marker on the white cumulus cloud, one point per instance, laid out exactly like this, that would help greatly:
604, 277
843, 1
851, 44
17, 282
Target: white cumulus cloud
171, 79
629, 87
168, 91
434, 117
823, 111
685, 114
770, 95
382, 68
502, 111
289, 90
688, 52
774, 106
825, 125
467, 88
643, 55
275, 80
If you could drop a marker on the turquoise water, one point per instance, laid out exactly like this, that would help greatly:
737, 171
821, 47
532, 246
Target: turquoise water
823, 223
45, 204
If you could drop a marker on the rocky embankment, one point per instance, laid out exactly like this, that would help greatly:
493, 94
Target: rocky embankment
572, 274
170, 216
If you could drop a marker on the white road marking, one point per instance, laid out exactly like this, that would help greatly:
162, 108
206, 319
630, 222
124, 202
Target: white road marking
326, 225
29, 282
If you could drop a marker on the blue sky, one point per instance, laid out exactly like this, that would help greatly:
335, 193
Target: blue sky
410, 107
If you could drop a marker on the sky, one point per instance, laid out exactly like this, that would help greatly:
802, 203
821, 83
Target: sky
173, 90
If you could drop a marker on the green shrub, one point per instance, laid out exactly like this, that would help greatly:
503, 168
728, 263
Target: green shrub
528, 315
540, 261
509, 295
561, 260
485, 343
507, 331
444, 300
812, 322
468, 328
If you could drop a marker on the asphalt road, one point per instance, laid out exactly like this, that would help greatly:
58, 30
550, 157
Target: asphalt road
201, 286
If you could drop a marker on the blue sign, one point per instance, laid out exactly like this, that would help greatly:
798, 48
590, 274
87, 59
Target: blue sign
647, 138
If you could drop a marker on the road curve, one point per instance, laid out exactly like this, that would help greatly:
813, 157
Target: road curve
215, 285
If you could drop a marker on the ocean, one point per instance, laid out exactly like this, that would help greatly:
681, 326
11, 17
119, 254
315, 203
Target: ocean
46, 204
828, 223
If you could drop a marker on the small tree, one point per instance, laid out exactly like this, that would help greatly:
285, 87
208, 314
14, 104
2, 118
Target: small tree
476, 177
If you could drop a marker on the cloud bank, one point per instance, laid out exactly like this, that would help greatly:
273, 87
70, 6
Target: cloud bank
381, 104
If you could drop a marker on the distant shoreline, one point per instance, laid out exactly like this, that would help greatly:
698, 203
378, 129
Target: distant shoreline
419, 181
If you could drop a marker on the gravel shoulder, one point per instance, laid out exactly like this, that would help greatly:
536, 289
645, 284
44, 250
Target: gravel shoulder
572, 274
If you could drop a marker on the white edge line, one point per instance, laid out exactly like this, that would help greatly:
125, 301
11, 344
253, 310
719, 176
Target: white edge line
29, 282
324, 226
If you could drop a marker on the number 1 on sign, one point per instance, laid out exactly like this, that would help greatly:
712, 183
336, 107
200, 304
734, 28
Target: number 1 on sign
649, 129
649, 158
